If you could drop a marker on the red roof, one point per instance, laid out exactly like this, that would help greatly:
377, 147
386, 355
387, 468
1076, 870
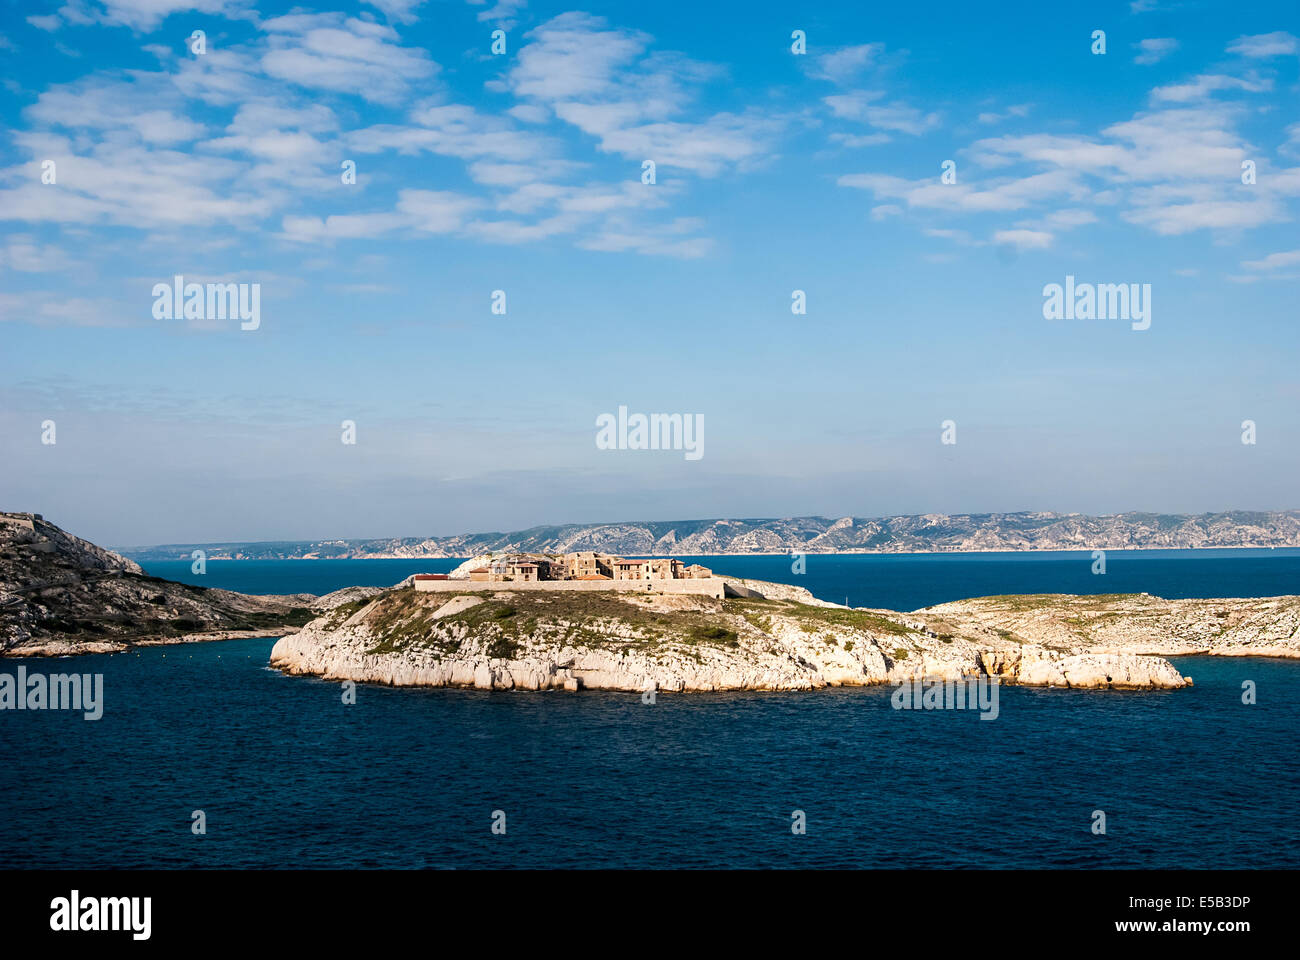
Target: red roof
430, 576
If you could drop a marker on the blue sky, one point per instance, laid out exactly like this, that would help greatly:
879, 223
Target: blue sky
523, 172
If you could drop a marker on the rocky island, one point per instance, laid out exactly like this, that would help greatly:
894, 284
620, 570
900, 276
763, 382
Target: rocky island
766, 636
590, 620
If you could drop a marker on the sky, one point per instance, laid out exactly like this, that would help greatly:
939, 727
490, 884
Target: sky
795, 147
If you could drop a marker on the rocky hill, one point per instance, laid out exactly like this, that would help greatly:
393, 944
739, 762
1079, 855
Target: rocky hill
783, 640
911, 534
60, 594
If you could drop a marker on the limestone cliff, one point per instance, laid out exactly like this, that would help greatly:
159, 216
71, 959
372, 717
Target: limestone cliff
1133, 623
785, 640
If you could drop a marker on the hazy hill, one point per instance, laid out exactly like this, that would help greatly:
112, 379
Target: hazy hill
915, 534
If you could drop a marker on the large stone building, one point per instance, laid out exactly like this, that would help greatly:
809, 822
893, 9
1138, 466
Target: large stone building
583, 565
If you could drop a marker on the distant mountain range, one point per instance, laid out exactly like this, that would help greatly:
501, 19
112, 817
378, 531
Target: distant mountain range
929, 533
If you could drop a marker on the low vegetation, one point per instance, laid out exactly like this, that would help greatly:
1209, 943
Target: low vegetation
504, 627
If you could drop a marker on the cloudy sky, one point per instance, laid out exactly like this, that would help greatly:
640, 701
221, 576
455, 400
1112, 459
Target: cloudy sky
522, 172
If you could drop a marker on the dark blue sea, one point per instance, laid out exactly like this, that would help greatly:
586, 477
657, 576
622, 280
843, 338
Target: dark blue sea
290, 776
894, 582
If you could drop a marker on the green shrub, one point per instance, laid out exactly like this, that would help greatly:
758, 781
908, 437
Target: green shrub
715, 635
502, 648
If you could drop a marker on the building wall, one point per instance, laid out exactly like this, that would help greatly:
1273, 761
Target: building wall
710, 587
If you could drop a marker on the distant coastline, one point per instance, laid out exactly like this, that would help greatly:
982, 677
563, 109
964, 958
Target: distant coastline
926, 534
146, 553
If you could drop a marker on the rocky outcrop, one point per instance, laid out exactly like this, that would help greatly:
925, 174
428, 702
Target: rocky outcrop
934, 532
499, 639
328, 601
1132, 623
61, 595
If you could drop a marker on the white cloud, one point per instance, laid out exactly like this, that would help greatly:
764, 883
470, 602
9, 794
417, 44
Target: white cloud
454, 130
992, 116
841, 66
436, 211
397, 11
706, 148
500, 11
139, 15
127, 184
854, 140
146, 105
1202, 86
46, 309
504, 174
1066, 219
896, 116
1172, 171
427, 211
605, 82
1171, 210
1291, 147
958, 236
1154, 49
574, 55
1008, 194
24, 253
673, 239
530, 113
1023, 239
1177, 170
288, 144
1263, 45
330, 52
221, 77
1274, 261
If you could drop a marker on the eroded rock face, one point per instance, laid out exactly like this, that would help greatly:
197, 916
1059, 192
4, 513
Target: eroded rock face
1133, 623
499, 640
61, 595
1037, 666
337, 598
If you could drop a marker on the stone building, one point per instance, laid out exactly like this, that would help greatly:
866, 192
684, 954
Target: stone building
588, 563
584, 565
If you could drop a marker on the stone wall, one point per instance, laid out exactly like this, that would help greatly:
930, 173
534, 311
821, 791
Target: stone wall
706, 586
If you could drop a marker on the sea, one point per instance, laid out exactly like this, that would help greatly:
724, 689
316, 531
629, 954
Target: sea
283, 773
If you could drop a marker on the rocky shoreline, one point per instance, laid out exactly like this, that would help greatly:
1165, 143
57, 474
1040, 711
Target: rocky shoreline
786, 640
61, 595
